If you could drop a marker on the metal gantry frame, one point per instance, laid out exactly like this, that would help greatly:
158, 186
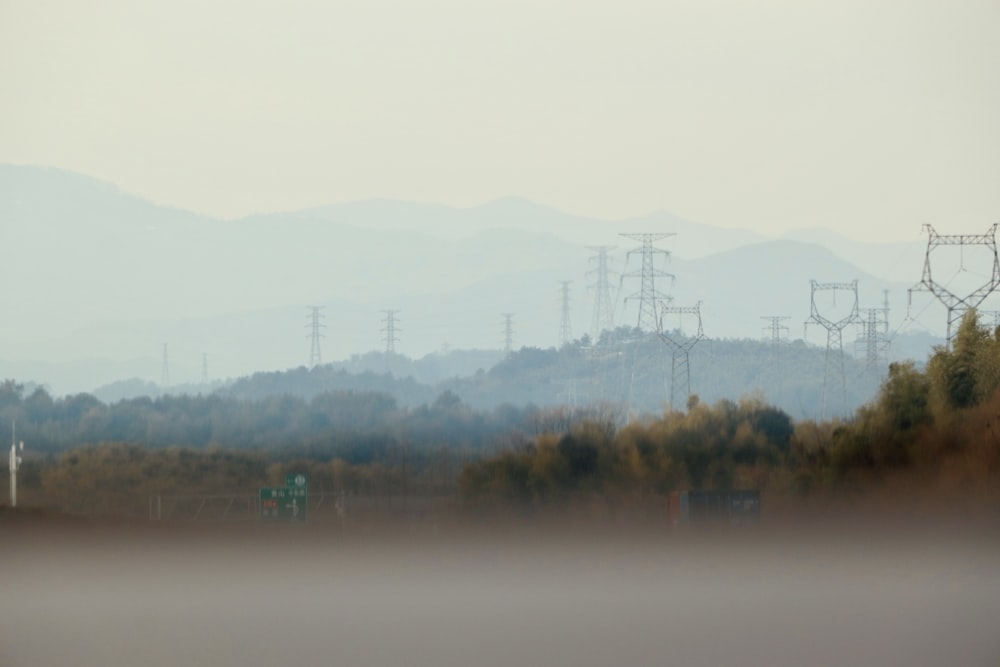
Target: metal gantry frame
958, 305
834, 333
680, 346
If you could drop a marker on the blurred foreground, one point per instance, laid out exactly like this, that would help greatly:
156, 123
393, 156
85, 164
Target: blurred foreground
890, 592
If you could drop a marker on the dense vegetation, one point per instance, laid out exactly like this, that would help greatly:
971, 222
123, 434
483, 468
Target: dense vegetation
927, 431
355, 426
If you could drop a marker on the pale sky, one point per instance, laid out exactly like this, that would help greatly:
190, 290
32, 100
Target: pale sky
869, 117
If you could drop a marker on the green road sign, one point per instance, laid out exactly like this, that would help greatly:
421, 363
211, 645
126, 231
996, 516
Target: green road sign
295, 479
290, 504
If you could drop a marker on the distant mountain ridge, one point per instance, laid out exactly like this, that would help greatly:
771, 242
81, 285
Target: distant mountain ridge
96, 273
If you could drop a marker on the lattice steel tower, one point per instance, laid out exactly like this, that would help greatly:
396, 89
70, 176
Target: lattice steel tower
874, 333
776, 334
508, 334
565, 328
774, 330
604, 313
834, 333
315, 326
647, 295
680, 347
204, 368
389, 330
958, 305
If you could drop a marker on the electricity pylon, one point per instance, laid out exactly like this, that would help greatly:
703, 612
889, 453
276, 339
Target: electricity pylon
680, 347
774, 330
776, 334
508, 334
604, 313
315, 325
565, 329
389, 330
204, 368
834, 333
958, 305
648, 295
874, 334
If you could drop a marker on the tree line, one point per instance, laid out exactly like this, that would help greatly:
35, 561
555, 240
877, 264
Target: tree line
935, 429
356, 426
927, 432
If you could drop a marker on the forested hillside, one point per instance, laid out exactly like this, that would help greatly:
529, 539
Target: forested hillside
931, 430
928, 435
628, 369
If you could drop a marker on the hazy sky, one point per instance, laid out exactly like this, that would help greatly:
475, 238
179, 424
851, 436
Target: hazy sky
866, 117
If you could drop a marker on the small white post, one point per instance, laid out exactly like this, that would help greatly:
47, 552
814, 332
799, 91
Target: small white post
15, 460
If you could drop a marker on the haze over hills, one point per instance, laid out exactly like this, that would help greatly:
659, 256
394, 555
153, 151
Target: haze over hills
97, 280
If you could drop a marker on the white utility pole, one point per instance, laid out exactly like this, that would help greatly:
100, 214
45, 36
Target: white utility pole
15, 461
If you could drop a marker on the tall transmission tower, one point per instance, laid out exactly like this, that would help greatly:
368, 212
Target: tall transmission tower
870, 336
680, 347
958, 305
389, 330
834, 333
165, 369
774, 329
874, 333
648, 295
604, 313
777, 335
315, 326
508, 334
204, 368
565, 329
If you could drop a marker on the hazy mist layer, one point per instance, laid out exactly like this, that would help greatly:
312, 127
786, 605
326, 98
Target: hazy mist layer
100, 280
